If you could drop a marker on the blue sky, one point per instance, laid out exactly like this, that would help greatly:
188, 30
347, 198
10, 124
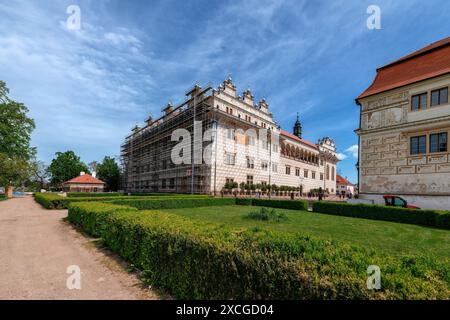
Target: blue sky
87, 88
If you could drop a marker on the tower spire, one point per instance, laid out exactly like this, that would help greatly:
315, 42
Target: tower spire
298, 127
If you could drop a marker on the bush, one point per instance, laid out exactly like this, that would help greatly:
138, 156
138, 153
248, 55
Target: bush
51, 200
93, 194
54, 201
3, 197
443, 220
174, 203
196, 260
172, 195
265, 214
90, 216
432, 218
282, 204
244, 201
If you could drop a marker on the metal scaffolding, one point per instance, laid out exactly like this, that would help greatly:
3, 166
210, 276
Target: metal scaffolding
146, 153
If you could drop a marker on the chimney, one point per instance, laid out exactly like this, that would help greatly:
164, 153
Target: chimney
82, 173
94, 174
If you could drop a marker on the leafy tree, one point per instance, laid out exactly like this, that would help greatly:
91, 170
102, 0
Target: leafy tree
13, 171
109, 172
39, 173
65, 166
15, 127
15, 136
93, 166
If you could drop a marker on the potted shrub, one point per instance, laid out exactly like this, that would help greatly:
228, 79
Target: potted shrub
242, 187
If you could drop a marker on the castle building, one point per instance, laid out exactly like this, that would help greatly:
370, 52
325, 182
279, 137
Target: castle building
231, 140
404, 128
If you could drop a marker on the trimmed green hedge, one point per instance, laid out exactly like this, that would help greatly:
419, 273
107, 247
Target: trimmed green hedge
51, 200
54, 201
196, 260
271, 203
433, 218
3, 197
180, 195
244, 201
91, 216
174, 203
93, 194
118, 194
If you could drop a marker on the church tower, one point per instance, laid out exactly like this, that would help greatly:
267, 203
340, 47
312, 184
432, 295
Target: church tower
298, 128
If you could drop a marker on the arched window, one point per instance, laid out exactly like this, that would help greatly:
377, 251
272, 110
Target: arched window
327, 174
332, 173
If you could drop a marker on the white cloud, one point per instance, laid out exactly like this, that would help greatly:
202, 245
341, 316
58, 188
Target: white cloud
341, 156
353, 150
81, 86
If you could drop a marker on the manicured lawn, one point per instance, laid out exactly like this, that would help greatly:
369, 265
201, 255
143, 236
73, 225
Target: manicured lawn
394, 238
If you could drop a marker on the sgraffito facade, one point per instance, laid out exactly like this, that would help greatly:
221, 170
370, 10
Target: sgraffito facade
404, 128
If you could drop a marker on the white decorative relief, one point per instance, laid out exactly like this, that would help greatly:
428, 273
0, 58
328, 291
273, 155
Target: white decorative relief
383, 118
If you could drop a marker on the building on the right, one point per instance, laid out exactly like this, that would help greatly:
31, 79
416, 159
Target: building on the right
404, 129
344, 187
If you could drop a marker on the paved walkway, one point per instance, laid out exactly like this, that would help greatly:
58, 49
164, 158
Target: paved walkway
37, 247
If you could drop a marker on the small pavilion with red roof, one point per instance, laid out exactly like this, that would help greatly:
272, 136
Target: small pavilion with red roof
84, 183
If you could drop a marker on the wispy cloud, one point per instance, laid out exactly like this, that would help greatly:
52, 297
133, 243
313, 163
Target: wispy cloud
342, 156
353, 151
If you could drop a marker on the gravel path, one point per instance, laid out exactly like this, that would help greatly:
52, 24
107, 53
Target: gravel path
37, 247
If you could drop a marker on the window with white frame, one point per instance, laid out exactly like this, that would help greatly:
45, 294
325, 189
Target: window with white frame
250, 163
251, 140
230, 159
264, 165
230, 134
274, 167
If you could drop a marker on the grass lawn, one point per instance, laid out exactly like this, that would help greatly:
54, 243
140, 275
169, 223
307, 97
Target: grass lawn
395, 238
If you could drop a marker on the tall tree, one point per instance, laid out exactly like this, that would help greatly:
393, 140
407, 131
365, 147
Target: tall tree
39, 173
15, 135
13, 171
15, 127
65, 166
109, 172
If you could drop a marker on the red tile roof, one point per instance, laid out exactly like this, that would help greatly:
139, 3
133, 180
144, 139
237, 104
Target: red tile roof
428, 62
294, 137
86, 179
341, 180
